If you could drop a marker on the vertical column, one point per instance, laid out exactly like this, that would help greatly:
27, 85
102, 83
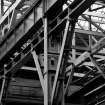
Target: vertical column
73, 50
46, 87
45, 64
1, 8
90, 28
44, 6
2, 87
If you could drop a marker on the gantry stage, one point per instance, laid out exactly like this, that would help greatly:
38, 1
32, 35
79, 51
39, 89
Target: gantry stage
52, 52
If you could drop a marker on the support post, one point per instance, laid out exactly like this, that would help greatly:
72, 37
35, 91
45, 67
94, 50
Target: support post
73, 50
1, 8
46, 98
63, 94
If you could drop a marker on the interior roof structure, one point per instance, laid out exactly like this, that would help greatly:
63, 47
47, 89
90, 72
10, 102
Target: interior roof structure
88, 42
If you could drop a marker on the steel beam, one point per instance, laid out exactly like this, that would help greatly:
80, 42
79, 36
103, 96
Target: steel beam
74, 50
38, 69
69, 79
72, 14
95, 14
9, 11
29, 68
72, 68
46, 87
81, 58
94, 90
63, 94
13, 18
88, 32
60, 59
97, 66
81, 7
98, 46
94, 49
1, 8
93, 23
2, 88
83, 40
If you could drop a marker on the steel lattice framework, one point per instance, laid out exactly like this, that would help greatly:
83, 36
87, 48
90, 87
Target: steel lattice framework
62, 40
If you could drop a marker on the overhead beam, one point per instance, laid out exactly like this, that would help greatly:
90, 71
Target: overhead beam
93, 23
81, 7
29, 68
98, 46
95, 14
94, 50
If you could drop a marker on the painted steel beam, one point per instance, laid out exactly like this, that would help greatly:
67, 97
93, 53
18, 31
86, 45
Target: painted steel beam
81, 7
28, 68
96, 65
93, 20
69, 79
60, 59
2, 89
94, 90
95, 14
13, 19
20, 63
81, 58
72, 66
94, 50
74, 13
1, 8
9, 11
84, 56
100, 3
46, 85
38, 69
93, 23
99, 45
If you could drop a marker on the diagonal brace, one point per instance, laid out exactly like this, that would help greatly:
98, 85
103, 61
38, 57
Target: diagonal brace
2, 89
38, 69
60, 59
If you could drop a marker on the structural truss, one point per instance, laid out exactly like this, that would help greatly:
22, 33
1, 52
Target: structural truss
61, 41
